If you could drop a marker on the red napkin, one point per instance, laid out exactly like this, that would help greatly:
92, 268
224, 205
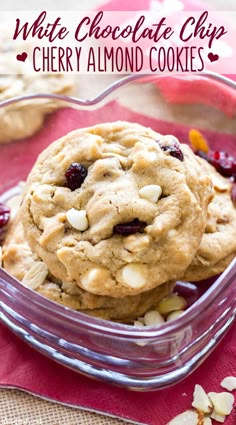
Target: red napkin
23, 367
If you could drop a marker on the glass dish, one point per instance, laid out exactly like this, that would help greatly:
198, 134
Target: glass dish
142, 359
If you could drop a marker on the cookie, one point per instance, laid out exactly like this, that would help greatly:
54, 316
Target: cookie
116, 208
25, 266
24, 118
218, 246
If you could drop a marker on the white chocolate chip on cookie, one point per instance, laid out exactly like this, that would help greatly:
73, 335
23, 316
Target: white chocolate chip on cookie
95, 277
151, 192
134, 275
77, 219
36, 275
92, 178
136, 243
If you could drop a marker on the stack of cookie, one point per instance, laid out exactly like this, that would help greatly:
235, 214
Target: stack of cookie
113, 215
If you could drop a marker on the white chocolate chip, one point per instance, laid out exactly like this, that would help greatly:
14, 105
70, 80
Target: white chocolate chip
153, 318
189, 417
77, 219
217, 417
174, 315
229, 383
134, 275
95, 277
207, 421
223, 402
36, 275
136, 243
201, 400
151, 192
171, 303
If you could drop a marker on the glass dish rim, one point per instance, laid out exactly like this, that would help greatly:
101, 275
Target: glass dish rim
116, 85
101, 325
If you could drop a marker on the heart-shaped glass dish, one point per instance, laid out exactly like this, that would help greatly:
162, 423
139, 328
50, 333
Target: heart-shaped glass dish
136, 358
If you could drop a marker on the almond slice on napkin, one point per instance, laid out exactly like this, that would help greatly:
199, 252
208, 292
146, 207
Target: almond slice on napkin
190, 417
229, 383
201, 401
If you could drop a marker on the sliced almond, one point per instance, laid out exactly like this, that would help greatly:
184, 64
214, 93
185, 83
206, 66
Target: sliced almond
201, 400
153, 318
229, 383
223, 402
217, 417
189, 417
174, 315
219, 185
207, 421
171, 303
138, 323
36, 275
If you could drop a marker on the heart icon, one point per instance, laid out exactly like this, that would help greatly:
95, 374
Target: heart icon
22, 57
212, 57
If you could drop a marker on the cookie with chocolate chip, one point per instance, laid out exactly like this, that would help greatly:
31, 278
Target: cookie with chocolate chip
218, 246
117, 208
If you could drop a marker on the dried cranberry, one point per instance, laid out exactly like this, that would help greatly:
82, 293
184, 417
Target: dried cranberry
224, 163
129, 228
233, 194
174, 150
4, 218
75, 175
4, 215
